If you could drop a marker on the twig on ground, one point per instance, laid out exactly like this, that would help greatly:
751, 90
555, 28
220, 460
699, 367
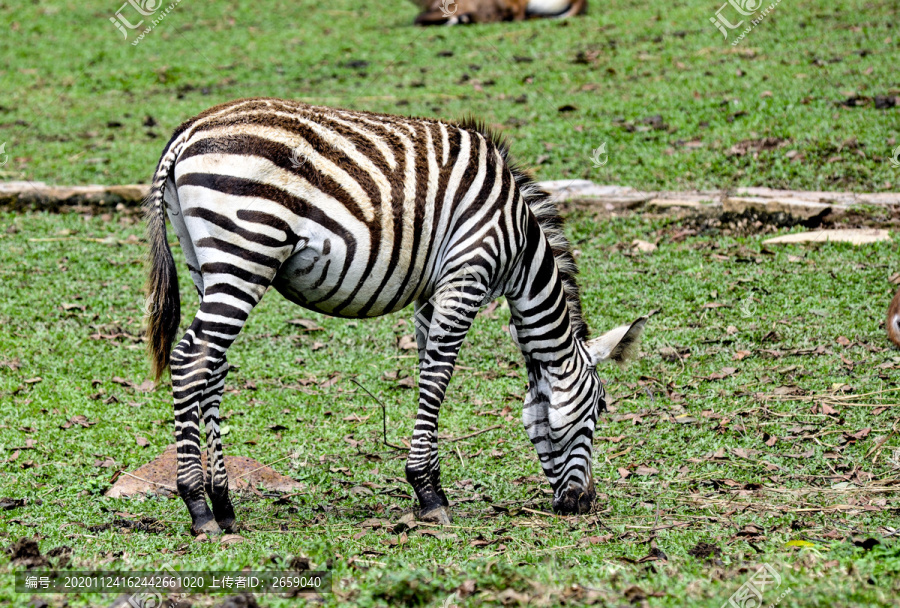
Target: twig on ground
162, 485
383, 417
536, 512
877, 449
490, 428
264, 466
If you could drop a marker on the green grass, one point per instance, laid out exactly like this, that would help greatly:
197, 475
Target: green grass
715, 472
76, 96
74, 109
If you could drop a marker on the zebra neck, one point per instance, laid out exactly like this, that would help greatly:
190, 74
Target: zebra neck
541, 321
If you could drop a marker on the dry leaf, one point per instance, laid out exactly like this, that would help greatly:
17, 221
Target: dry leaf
231, 539
307, 324
596, 540
645, 471
407, 342
146, 386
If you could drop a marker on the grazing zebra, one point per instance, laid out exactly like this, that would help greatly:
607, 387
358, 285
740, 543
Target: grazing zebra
460, 12
356, 214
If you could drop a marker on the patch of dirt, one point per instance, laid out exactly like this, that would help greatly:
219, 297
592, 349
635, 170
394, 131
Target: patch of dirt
159, 477
26, 552
243, 600
752, 222
706, 551
62, 555
755, 146
8, 504
144, 524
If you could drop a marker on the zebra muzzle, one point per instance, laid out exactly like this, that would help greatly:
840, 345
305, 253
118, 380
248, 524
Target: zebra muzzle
575, 500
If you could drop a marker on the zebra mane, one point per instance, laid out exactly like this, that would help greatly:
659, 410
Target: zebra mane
549, 219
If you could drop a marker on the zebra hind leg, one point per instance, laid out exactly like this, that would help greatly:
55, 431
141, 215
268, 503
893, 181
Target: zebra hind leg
198, 373
216, 477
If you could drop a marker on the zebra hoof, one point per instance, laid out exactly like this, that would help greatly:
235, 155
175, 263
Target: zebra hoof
439, 515
210, 528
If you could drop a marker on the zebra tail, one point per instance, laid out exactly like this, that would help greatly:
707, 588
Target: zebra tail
163, 304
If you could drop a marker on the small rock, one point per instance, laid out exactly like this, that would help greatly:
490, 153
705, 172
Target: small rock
643, 246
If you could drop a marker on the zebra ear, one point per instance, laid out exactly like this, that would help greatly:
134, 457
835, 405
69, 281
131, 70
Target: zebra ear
619, 345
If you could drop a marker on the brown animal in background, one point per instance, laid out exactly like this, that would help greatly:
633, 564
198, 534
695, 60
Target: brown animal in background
450, 12
893, 319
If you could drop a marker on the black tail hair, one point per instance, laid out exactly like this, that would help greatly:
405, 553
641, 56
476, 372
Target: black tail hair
163, 304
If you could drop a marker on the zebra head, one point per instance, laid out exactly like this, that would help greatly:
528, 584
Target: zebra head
561, 411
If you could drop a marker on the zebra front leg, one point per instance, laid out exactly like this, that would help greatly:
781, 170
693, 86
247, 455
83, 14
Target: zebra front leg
442, 340
423, 315
216, 476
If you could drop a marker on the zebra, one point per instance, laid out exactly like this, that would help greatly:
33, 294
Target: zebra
462, 12
356, 214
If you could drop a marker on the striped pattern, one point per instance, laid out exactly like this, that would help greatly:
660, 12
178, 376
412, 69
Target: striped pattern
356, 214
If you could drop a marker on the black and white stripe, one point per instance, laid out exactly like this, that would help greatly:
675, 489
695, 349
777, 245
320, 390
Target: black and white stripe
380, 212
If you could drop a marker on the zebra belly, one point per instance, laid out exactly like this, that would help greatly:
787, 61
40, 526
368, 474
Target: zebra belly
315, 277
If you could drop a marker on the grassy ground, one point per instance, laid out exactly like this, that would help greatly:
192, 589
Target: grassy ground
660, 86
760, 419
